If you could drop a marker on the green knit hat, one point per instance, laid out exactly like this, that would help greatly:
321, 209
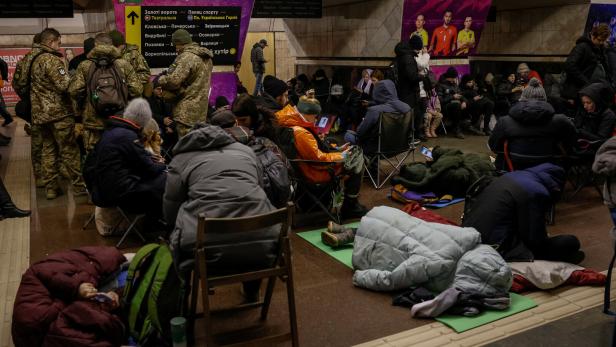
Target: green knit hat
117, 38
181, 37
309, 106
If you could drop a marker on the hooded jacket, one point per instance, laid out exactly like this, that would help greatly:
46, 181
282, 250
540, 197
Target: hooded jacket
308, 146
386, 99
599, 125
510, 211
212, 174
257, 59
408, 73
393, 250
532, 129
120, 164
49, 86
188, 78
79, 83
46, 310
580, 66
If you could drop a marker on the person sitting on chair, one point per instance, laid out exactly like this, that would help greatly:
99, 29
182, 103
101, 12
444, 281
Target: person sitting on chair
386, 99
120, 172
213, 175
596, 121
532, 129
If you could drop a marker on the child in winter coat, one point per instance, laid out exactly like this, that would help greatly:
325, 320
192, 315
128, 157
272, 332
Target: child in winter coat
433, 116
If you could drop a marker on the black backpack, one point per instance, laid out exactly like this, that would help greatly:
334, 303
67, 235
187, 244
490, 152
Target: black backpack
22, 83
392, 72
473, 192
106, 88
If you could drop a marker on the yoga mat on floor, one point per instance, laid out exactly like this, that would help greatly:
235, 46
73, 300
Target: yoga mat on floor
461, 324
342, 254
444, 204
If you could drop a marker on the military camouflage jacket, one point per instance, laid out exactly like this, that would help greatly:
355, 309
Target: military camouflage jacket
137, 61
22, 69
49, 89
78, 87
189, 79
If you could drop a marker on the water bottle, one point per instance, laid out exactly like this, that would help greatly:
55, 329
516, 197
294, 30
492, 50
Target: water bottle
178, 331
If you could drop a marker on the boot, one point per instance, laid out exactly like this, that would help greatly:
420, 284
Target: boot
334, 228
458, 132
11, 211
427, 120
39, 183
428, 133
2, 136
337, 240
433, 128
351, 209
79, 191
52, 193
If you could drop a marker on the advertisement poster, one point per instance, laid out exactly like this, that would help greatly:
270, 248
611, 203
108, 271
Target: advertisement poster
602, 13
12, 55
448, 28
220, 25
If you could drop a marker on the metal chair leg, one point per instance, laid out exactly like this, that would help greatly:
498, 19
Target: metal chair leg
90, 220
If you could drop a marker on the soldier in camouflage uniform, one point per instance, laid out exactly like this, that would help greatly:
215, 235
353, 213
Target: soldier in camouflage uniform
92, 123
19, 83
131, 54
188, 79
51, 111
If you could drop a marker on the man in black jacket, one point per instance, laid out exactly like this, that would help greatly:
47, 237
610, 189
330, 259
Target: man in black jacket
586, 63
453, 102
408, 80
4, 75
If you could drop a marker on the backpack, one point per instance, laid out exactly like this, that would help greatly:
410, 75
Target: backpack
107, 89
276, 182
153, 295
473, 192
22, 81
392, 72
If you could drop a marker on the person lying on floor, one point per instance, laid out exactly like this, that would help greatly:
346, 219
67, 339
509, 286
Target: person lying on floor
510, 213
212, 174
61, 300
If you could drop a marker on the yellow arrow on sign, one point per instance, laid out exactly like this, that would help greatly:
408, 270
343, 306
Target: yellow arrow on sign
132, 17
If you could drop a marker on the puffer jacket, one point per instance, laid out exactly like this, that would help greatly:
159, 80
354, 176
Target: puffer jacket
308, 146
408, 73
49, 88
46, 310
394, 251
188, 79
532, 129
79, 83
580, 66
386, 99
214, 175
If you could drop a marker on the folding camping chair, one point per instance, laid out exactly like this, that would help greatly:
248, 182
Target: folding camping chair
132, 224
395, 139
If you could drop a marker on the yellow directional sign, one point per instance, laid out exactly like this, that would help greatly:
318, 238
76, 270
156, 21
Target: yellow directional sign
132, 17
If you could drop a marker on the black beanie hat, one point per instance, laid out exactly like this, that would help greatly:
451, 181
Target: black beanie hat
273, 86
465, 79
416, 42
451, 72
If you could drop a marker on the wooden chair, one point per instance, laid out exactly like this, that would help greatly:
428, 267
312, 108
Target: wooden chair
282, 268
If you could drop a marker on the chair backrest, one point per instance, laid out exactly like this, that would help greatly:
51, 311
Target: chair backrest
518, 161
394, 132
228, 226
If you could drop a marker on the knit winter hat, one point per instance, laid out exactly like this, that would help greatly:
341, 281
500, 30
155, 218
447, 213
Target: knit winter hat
534, 91
151, 126
181, 37
117, 38
138, 111
308, 105
223, 119
416, 42
451, 72
274, 87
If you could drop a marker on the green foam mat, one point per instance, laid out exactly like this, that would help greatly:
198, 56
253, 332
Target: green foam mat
460, 324
343, 254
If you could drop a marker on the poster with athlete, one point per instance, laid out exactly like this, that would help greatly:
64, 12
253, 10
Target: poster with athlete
448, 28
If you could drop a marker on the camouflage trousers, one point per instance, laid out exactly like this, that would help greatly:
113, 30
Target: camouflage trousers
91, 138
59, 146
36, 146
182, 129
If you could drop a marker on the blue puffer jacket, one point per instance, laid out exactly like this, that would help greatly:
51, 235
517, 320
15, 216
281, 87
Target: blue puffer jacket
394, 251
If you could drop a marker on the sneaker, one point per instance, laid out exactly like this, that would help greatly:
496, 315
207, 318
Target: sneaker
52, 193
80, 191
337, 240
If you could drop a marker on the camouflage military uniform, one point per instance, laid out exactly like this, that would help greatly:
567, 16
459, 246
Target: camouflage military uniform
188, 79
92, 123
51, 112
18, 83
137, 61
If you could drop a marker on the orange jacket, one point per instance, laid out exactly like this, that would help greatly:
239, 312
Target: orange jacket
307, 147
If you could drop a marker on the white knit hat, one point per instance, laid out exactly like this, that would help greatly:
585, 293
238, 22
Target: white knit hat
138, 111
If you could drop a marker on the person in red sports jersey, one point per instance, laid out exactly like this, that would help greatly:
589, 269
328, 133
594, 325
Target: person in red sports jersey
444, 36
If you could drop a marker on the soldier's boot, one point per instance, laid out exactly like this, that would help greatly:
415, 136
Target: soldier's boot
52, 193
80, 190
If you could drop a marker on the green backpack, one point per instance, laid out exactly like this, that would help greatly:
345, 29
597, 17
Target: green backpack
153, 294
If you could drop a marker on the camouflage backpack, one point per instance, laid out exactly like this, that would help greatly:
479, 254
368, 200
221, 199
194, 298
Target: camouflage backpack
107, 88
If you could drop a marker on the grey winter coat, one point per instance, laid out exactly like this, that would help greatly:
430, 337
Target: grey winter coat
213, 174
396, 251
257, 59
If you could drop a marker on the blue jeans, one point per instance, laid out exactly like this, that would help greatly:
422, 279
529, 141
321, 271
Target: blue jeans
258, 84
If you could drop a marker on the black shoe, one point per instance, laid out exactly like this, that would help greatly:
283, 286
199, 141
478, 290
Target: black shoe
352, 209
7, 122
11, 211
487, 132
578, 257
4, 142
